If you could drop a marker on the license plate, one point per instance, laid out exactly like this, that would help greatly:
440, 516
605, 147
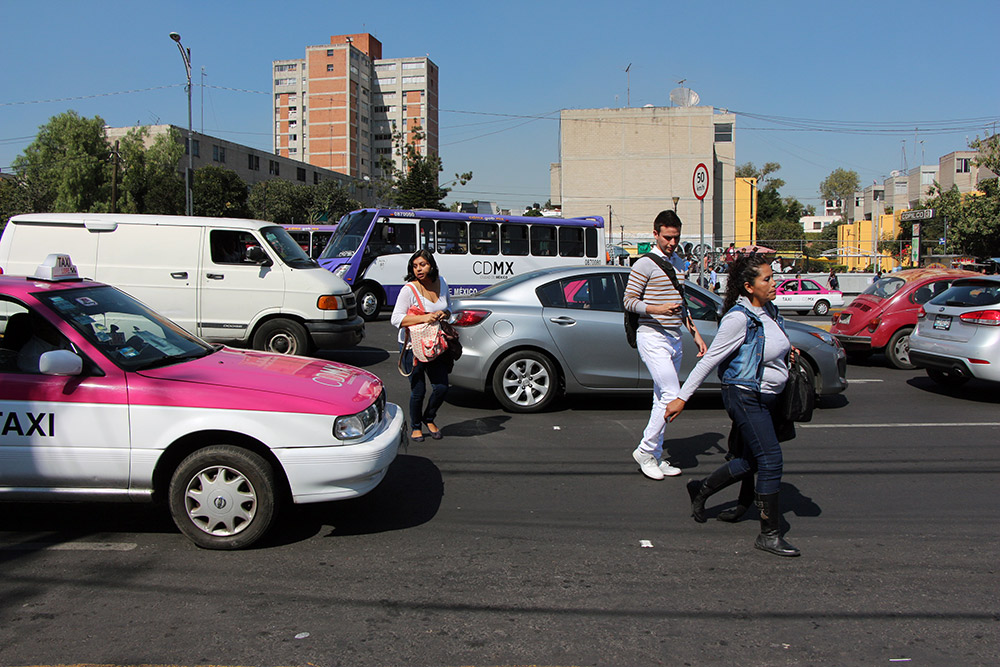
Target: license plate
942, 322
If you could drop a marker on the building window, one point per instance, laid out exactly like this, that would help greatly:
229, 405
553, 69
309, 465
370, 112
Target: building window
293, 137
329, 68
284, 82
385, 67
315, 178
219, 153
389, 81
253, 162
195, 144
273, 168
724, 132
293, 123
293, 151
300, 174
383, 151
285, 68
962, 165
413, 65
329, 53
413, 79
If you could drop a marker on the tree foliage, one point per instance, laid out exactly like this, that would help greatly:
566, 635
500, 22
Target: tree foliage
765, 181
150, 182
989, 152
415, 184
331, 201
67, 166
840, 184
220, 193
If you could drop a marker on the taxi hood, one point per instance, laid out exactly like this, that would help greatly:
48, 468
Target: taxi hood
250, 380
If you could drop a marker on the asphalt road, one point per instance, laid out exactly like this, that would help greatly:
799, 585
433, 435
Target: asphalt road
515, 540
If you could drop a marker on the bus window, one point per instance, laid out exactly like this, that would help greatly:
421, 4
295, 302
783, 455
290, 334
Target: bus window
319, 240
427, 234
514, 239
571, 242
391, 237
452, 237
591, 242
302, 238
405, 235
483, 238
543, 240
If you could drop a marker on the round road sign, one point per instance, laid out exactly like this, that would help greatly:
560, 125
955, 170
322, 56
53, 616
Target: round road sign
700, 181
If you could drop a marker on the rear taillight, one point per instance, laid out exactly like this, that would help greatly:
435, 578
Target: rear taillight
873, 325
468, 318
921, 314
987, 318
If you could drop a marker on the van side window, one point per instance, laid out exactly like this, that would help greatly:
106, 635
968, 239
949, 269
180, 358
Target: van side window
230, 247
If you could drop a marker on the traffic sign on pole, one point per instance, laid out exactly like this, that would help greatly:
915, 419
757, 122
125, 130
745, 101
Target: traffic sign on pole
700, 181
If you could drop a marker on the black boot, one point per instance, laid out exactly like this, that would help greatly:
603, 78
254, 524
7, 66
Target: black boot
770, 527
742, 504
700, 491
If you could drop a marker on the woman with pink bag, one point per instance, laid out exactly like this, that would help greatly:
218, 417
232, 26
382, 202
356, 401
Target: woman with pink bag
423, 300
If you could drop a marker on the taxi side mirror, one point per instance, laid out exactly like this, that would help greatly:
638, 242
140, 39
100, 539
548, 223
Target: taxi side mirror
60, 362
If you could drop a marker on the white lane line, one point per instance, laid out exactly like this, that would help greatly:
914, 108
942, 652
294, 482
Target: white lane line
907, 425
67, 546
860, 381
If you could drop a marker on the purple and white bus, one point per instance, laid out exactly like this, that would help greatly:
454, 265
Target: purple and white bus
371, 246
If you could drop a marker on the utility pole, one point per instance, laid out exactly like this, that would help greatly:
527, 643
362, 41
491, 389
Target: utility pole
114, 180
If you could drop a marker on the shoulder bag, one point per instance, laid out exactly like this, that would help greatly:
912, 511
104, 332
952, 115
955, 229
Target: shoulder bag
427, 341
632, 319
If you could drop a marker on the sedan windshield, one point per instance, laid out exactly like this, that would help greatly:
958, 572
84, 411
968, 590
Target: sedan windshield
129, 334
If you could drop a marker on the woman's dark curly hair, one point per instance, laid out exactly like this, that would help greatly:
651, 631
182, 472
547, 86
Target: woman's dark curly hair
744, 269
427, 255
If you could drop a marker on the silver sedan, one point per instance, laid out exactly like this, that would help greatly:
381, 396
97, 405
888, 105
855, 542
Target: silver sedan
555, 331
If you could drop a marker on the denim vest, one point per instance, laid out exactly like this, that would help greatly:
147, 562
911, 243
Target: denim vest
745, 366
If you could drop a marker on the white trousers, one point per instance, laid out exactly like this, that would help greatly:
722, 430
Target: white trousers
662, 356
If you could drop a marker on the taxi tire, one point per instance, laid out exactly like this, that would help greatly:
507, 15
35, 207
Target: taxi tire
282, 336
530, 366
244, 471
894, 350
821, 307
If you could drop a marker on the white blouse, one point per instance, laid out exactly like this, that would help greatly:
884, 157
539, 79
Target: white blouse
407, 299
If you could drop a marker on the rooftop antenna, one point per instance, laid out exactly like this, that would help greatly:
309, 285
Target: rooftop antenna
904, 165
628, 86
684, 97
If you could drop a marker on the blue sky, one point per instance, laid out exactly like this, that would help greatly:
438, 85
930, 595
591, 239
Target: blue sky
878, 69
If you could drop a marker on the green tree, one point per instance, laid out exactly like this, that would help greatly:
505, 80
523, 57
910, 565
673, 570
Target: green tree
765, 181
415, 185
281, 201
67, 167
332, 200
840, 184
14, 199
219, 193
989, 152
150, 182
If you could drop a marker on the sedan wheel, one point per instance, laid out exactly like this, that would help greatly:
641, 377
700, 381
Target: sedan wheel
525, 382
898, 350
821, 308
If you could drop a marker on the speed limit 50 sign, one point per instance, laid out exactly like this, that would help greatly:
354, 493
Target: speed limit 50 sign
700, 181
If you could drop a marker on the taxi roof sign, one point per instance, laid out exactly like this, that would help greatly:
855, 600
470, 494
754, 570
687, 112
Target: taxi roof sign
57, 267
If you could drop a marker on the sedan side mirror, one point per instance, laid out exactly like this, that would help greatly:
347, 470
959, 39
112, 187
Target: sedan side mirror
60, 362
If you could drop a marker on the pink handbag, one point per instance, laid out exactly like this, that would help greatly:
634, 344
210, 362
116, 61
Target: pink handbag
427, 341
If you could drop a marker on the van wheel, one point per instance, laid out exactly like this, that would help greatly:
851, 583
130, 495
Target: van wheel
282, 337
897, 351
369, 302
821, 307
525, 381
223, 497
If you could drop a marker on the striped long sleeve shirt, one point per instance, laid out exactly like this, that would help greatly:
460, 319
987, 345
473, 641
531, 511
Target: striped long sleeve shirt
648, 285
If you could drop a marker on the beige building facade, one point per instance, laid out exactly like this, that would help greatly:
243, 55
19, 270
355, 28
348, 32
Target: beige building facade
627, 164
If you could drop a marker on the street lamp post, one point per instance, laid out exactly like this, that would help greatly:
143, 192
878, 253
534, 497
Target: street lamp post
188, 192
676, 199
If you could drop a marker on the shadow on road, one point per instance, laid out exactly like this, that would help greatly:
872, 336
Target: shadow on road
973, 390
360, 356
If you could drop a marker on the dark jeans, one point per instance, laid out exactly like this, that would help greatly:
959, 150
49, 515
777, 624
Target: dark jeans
437, 372
751, 412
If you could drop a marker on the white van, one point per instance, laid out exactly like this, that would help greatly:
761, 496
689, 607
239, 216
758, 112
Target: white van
240, 282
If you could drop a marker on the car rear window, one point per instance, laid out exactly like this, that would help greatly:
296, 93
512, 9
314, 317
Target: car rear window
885, 287
975, 293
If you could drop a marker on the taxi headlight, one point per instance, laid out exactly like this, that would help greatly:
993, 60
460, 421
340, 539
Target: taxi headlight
356, 426
341, 270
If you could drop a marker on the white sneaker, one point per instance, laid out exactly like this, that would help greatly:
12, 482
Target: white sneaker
669, 470
647, 464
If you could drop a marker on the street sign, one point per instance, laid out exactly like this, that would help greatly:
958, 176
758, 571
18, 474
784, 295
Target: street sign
700, 181
910, 216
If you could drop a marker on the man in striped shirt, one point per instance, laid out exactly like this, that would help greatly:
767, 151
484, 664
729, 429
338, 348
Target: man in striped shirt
651, 294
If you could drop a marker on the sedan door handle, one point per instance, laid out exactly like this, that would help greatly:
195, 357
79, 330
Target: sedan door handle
215, 276
179, 275
562, 319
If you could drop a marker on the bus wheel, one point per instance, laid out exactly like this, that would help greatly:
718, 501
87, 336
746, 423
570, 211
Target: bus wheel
369, 302
282, 336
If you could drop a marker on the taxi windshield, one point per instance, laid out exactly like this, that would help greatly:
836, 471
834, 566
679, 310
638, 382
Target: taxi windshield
127, 332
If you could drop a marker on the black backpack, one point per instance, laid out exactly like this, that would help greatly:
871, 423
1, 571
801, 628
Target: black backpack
632, 319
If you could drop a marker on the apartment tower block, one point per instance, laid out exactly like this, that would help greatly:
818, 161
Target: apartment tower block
339, 107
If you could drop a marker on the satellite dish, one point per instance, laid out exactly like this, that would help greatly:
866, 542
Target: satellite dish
684, 97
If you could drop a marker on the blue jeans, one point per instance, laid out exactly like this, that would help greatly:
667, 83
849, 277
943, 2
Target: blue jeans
751, 412
437, 372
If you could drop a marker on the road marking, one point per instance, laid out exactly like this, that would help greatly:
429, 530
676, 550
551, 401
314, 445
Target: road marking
860, 381
908, 425
67, 546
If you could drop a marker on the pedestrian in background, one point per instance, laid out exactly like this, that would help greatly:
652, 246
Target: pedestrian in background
753, 355
655, 293
425, 292
833, 282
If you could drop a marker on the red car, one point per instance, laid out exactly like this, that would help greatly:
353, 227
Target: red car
881, 318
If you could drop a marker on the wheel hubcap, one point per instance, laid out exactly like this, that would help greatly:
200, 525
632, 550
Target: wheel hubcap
526, 382
369, 303
282, 343
220, 501
903, 349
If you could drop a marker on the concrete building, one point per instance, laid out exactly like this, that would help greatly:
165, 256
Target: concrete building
338, 107
958, 169
896, 189
919, 181
631, 162
817, 223
250, 164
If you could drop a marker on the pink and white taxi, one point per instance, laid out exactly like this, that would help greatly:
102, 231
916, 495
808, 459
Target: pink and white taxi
103, 399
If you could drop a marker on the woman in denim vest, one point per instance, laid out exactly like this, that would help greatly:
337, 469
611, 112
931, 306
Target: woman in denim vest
752, 353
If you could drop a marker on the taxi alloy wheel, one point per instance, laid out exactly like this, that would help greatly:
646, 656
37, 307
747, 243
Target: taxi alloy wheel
223, 497
525, 381
897, 351
821, 307
282, 336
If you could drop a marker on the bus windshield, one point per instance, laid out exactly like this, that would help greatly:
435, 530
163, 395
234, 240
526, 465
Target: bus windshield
350, 232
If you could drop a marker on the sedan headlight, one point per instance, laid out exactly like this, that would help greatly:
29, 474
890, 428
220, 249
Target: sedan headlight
358, 425
825, 337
